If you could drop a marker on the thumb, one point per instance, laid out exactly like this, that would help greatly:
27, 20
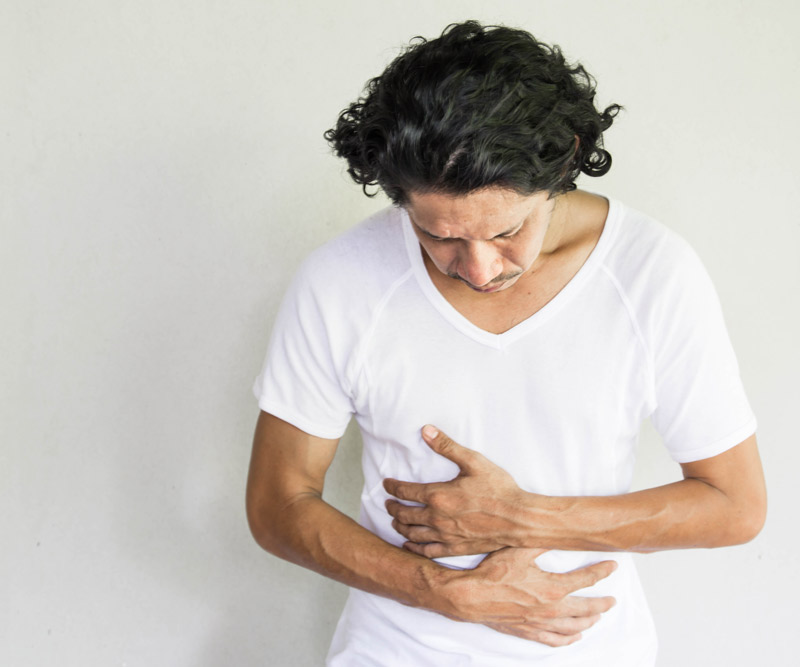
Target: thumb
442, 444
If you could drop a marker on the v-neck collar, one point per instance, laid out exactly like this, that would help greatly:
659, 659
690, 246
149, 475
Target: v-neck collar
541, 316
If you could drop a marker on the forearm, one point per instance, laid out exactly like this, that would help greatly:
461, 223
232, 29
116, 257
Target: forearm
311, 533
686, 514
720, 502
506, 592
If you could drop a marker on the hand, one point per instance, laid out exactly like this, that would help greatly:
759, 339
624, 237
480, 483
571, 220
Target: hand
509, 593
470, 514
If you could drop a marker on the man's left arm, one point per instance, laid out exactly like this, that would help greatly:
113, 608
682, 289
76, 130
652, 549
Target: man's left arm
721, 501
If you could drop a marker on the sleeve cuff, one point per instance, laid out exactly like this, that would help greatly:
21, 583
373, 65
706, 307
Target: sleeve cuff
327, 431
717, 447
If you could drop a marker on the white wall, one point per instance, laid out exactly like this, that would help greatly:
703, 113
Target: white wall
163, 173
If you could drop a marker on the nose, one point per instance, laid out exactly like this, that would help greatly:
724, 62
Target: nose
479, 263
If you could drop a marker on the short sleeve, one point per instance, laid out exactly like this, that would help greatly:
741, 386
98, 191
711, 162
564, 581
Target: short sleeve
302, 380
701, 407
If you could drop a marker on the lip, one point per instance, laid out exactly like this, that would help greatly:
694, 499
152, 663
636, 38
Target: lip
487, 290
505, 281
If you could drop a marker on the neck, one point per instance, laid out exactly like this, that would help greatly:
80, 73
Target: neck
554, 238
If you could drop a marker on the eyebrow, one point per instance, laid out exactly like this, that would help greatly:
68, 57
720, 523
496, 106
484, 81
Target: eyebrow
508, 232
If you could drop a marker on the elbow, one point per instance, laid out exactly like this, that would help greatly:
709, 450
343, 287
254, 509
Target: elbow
273, 519
266, 533
260, 520
259, 526
757, 517
748, 522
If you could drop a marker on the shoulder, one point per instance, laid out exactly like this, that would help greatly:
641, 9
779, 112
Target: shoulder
342, 284
660, 278
372, 253
647, 257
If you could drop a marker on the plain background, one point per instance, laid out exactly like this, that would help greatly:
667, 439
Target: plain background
162, 174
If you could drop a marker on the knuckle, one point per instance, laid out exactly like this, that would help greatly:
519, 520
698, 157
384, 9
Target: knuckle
443, 443
474, 458
437, 498
552, 595
605, 569
574, 581
589, 622
532, 635
429, 550
442, 525
568, 626
548, 613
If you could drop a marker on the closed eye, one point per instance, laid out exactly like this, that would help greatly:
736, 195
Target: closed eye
441, 239
509, 235
445, 239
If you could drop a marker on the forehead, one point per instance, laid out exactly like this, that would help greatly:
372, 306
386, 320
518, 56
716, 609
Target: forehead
481, 214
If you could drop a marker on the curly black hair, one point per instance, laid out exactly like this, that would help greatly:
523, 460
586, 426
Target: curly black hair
478, 106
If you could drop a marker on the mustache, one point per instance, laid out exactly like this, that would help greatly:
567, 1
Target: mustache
495, 281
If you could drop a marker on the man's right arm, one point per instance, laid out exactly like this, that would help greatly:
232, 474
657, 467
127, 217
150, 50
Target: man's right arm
506, 592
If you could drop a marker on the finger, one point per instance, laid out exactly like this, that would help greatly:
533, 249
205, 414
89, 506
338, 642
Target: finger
439, 442
554, 639
443, 549
410, 514
579, 607
407, 490
526, 556
535, 634
428, 549
570, 625
418, 534
587, 576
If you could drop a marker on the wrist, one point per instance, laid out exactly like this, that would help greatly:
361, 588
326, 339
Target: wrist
442, 591
543, 521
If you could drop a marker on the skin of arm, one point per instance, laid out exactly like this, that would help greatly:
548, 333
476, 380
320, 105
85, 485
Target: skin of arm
720, 502
506, 592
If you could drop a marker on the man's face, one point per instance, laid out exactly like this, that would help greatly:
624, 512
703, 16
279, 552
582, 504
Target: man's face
487, 239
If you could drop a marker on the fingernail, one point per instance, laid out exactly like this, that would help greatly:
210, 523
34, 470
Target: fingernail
430, 431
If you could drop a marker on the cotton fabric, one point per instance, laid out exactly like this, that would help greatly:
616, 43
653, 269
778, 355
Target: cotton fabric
558, 401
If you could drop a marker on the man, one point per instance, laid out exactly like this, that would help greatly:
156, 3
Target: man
499, 336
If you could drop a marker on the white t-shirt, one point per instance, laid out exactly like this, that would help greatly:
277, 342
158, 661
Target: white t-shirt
558, 401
